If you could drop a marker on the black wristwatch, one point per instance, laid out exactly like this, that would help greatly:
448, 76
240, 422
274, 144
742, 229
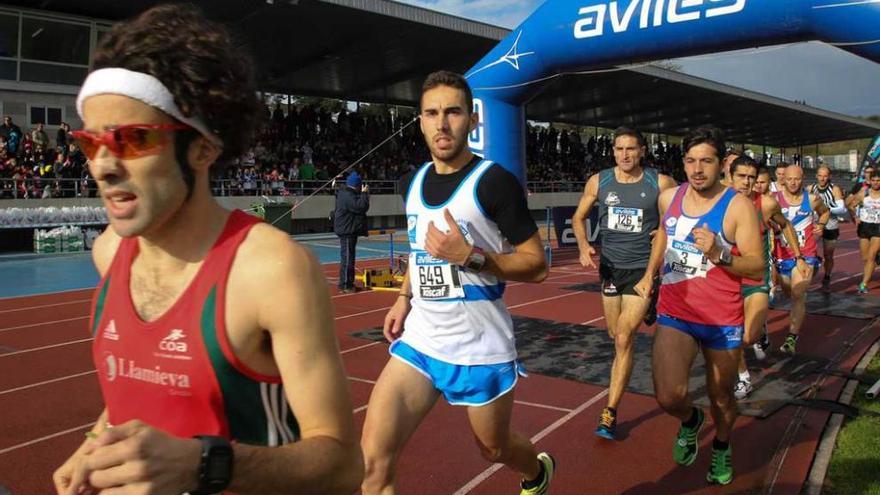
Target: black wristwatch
725, 257
215, 469
475, 261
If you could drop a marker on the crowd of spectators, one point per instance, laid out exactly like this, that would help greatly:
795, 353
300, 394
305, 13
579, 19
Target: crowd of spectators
301, 150
31, 167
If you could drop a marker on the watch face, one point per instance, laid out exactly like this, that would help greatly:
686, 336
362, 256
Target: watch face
219, 466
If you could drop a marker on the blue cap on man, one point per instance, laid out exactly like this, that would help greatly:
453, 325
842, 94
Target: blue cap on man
353, 180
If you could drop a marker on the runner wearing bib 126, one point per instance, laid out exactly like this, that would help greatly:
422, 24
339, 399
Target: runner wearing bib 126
868, 220
701, 304
627, 197
798, 207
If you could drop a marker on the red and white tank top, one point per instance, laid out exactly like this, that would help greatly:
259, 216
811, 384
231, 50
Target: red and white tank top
693, 288
801, 218
179, 373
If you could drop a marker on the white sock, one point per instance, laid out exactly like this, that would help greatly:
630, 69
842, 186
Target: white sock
745, 376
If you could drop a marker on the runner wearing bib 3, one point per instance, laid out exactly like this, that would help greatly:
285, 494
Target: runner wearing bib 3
701, 305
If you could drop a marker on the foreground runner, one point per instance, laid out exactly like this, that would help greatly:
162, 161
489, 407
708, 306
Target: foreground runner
832, 196
464, 214
186, 342
756, 293
701, 306
868, 222
627, 196
798, 206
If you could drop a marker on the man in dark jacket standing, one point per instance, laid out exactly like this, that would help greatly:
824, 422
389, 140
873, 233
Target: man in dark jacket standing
350, 221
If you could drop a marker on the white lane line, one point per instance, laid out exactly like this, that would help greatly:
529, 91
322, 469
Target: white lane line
46, 382
371, 344
47, 437
25, 351
543, 433
28, 308
594, 320
542, 406
362, 408
32, 325
362, 380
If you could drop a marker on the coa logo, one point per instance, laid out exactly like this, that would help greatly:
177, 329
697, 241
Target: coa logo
650, 13
173, 342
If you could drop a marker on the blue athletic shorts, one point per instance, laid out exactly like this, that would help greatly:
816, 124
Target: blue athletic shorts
784, 267
462, 385
720, 338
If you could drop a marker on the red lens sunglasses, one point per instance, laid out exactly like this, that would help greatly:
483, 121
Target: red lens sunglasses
127, 141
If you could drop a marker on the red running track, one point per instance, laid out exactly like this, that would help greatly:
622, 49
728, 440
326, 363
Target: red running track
49, 396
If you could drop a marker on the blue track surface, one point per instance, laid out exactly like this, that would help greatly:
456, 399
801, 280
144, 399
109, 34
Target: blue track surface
29, 274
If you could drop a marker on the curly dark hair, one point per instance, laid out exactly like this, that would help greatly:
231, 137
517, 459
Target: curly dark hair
197, 60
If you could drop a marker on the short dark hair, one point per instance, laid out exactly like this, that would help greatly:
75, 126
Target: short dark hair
451, 79
743, 161
762, 169
628, 131
199, 63
875, 174
705, 134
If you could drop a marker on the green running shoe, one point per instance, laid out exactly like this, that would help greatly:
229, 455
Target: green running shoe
721, 470
684, 452
549, 470
789, 346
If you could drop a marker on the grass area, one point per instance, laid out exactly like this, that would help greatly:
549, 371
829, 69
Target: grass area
855, 463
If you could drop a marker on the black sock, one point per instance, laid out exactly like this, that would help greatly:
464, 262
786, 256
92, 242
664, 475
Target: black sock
793, 335
693, 420
719, 445
613, 411
538, 479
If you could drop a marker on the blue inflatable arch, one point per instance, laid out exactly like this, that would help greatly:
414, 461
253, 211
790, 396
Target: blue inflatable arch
576, 35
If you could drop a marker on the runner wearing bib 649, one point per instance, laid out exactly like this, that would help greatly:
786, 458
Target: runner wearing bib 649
868, 221
798, 206
627, 197
469, 231
701, 304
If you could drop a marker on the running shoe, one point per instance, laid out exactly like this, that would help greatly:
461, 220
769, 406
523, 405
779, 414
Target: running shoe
684, 452
789, 346
863, 289
826, 283
607, 424
721, 470
742, 389
543, 488
760, 347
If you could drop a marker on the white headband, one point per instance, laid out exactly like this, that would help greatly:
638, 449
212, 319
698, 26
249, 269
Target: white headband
141, 87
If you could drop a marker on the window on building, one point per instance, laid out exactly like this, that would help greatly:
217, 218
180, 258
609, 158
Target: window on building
45, 115
8, 35
54, 41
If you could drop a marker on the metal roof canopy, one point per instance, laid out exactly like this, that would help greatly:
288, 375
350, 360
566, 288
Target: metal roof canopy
380, 51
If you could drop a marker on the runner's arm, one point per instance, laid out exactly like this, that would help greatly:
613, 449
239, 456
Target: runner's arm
579, 219
839, 206
821, 209
750, 262
298, 318
665, 182
784, 225
527, 263
658, 243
